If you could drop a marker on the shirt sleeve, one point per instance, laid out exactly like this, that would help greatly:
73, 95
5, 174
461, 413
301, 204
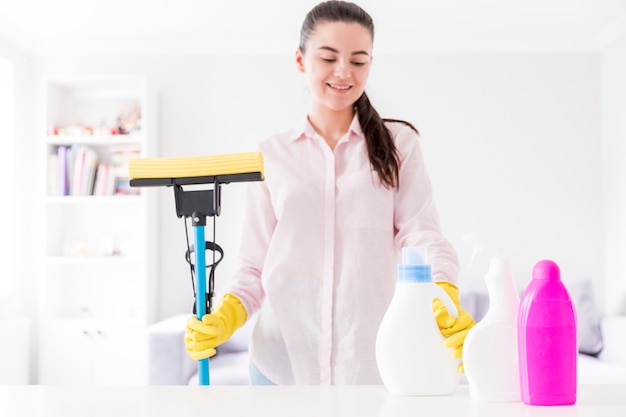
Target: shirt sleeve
415, 217
258, 227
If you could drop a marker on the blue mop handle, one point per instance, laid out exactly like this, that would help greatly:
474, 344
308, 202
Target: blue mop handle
203, 364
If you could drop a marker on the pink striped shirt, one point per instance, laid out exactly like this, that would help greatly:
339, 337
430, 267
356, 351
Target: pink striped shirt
321, 241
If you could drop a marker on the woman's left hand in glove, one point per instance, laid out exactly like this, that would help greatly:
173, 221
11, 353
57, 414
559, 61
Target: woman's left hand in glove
454, 329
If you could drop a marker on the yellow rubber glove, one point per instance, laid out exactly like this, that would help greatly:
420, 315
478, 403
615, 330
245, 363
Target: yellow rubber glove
454, 329
202, 337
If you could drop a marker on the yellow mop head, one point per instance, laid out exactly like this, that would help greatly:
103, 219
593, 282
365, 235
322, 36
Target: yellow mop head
228, 165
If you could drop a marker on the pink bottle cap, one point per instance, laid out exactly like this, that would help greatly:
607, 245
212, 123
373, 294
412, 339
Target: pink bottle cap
546, 269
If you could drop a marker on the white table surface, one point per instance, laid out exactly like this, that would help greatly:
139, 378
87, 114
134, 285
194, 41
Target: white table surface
296, 401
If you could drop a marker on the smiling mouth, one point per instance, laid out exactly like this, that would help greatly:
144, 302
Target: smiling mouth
339, 87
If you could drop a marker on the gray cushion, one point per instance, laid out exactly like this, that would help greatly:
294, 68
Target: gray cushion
589, 330
474, 302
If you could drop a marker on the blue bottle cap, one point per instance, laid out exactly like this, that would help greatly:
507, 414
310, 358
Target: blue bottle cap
414, 267
414, 273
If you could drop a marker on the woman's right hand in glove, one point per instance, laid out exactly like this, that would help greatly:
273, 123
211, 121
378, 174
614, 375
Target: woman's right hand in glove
203, 336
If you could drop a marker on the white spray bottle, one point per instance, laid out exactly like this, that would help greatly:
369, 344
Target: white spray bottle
490, 352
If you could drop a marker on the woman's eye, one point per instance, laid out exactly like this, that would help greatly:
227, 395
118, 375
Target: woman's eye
328, 59
358, 64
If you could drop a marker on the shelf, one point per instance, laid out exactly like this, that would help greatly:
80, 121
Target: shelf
94, 290
72, 200
96, 322
100, 87
94, 279
95, 140
90, 260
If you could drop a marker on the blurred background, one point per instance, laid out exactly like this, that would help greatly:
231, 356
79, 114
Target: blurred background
521, 107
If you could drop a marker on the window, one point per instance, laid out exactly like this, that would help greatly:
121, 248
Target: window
7, 136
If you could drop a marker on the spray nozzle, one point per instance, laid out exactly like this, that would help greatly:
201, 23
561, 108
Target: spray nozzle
474, 239
483, 244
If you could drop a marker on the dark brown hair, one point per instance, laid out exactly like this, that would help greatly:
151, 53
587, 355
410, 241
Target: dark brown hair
382, 152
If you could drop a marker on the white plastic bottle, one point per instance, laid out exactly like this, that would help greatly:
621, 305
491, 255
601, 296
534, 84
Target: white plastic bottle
410, 351
490, 352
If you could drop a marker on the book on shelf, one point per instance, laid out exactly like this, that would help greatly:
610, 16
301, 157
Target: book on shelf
62, 182
105, 180
84, 166
120, 156
78, 170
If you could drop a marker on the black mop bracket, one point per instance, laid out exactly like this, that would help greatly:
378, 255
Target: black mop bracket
196, 201
198, 204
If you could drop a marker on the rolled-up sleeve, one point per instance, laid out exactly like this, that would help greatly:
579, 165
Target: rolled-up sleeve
416, 219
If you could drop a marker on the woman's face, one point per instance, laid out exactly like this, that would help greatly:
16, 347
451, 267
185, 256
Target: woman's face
336, 64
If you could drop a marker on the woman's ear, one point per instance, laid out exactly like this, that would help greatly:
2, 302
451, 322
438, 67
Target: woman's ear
299, 60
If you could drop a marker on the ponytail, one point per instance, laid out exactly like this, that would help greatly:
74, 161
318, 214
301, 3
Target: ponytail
383, 154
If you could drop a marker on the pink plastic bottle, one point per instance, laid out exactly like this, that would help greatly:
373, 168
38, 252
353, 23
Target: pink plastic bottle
547, 339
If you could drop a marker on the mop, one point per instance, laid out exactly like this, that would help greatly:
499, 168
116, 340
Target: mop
185, 175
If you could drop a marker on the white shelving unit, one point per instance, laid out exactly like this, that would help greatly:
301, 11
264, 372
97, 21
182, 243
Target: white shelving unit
93, 292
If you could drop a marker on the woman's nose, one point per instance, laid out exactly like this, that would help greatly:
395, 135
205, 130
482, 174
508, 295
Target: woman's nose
341, 69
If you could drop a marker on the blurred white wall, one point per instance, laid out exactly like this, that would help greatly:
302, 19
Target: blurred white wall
614, 173
513, 142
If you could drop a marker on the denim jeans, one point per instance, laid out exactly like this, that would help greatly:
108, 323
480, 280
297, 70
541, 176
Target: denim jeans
257, 378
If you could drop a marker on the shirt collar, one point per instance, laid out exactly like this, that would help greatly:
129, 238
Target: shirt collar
304, 129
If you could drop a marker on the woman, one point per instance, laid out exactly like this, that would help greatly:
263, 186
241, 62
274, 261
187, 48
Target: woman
344, 191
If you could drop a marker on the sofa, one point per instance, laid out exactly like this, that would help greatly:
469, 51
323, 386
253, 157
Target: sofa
601, 359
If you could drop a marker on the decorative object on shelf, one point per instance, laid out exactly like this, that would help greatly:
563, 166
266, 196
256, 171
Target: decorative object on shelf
129, 121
